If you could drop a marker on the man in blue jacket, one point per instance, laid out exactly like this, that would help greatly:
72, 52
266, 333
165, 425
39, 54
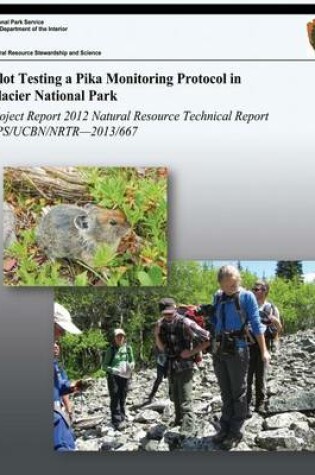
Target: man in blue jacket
63, 435
234, 308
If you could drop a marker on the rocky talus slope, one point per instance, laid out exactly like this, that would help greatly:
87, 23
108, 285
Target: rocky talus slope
287, 424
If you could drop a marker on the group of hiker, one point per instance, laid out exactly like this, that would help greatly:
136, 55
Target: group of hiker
242, 328
238, 328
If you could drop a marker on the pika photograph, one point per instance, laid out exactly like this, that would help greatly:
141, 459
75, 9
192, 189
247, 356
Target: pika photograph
85, 226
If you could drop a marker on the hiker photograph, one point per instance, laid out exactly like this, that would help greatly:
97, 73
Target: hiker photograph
85, 226
219, 360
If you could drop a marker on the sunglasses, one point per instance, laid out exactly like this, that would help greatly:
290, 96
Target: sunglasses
258, 289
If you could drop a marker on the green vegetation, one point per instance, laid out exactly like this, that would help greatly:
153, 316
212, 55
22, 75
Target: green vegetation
141, 259
99, 311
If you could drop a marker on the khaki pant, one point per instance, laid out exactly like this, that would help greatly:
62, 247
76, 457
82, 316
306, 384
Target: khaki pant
181, 385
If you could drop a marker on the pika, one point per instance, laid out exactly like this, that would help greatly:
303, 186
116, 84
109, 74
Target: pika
75, 233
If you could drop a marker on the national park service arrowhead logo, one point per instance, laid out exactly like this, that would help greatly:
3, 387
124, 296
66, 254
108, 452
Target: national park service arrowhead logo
311, 32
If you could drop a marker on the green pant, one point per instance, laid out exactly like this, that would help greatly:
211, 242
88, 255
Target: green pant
181, 385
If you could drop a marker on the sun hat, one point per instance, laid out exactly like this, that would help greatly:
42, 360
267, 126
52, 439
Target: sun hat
119, 331
63, 319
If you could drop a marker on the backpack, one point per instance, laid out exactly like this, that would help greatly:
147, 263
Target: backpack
178, 330
192, 314
220, 297
268, 309
113, 350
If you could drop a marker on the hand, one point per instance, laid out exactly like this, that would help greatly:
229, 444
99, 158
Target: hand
266, 357
82, 384
185, 354
205, 345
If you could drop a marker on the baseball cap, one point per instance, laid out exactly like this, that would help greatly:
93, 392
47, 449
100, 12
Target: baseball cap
167, 305
62, 318
119, 331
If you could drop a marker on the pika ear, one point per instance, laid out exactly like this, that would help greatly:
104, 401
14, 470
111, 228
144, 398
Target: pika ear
81, 221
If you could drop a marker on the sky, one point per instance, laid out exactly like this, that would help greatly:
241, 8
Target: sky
267, 268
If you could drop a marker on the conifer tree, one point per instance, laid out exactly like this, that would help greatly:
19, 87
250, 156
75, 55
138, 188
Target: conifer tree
290, 270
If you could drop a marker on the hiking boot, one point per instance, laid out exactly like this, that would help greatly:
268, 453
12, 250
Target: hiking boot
121, 426
219, 437
231, 441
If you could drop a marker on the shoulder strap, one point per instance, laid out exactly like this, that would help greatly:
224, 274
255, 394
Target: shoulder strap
240, 310
268, 307
128, 352
113, 352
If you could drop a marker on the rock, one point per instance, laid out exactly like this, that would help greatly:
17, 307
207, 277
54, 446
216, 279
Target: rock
91, 445
279, 439
147, 416
272, 388
156, 432
254, 424
308, 344
163, 447
110, 445
205, 429
301, 429
129, 447
241, 447
283, 420
92, 433
302, 401
173, 439
159, 405
88, 422
150, 445
206, 395
191, 443
216, 403
139, 435
311, 422
287, 424
9, 222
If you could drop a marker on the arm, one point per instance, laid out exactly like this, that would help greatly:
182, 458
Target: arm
68, 388
107, 359
62, 382
131, 360
265, 356
185, 354
196, 331
275, 319
67, 405
158, 340
258, 328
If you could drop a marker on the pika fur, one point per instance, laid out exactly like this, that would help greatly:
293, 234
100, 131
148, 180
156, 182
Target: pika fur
73, 232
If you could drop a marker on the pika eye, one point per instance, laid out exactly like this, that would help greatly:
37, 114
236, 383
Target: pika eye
113, 222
